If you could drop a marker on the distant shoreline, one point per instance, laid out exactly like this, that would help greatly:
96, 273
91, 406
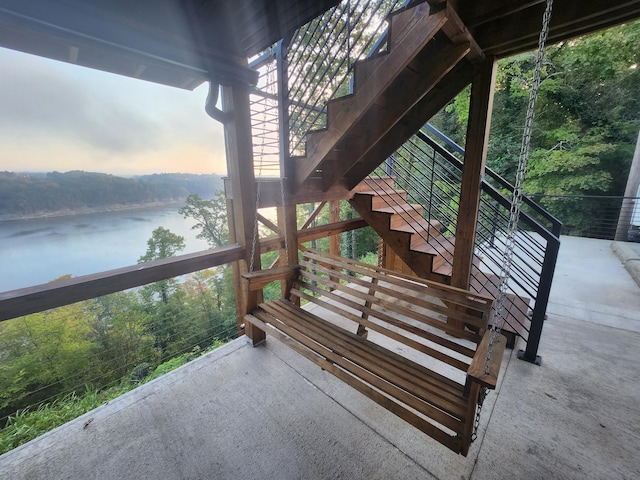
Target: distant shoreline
9, 217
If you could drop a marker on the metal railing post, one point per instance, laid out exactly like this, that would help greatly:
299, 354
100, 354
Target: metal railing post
530, 354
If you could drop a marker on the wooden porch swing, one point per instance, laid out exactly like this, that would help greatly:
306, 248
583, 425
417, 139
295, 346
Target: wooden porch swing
415, 347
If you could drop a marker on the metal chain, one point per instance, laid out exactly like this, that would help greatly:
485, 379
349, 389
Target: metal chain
499, 317
255, 228
476, 422
286, 241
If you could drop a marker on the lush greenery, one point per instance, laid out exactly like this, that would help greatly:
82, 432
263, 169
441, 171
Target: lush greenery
57, 364
28, 424
586, 121
24, 194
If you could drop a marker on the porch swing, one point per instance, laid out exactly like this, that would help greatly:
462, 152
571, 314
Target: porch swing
423, 350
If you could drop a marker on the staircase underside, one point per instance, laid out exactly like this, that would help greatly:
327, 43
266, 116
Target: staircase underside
430, 58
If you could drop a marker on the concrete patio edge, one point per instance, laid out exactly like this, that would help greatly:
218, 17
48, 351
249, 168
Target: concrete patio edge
629, 258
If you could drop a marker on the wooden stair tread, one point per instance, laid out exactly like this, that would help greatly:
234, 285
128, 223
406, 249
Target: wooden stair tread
417, 226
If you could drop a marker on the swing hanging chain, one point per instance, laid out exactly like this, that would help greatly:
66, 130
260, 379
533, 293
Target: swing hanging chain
284, 230
499, 317
254, 240
476, 422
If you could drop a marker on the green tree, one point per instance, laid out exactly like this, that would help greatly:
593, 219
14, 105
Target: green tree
162, 244
210, 217
119, 339
43, 355
165, 314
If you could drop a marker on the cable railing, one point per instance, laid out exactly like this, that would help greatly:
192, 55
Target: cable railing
300, 74
596, 216
321, 58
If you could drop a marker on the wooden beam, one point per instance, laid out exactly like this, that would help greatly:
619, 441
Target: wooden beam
476, 13
270, 244
334, 217
24, 301
268, 223
313, 215
270, 195
238, 142
518, 31
475, 158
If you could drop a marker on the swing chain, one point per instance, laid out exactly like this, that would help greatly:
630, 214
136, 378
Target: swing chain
499, 317
255, 226
284, 232
476, 422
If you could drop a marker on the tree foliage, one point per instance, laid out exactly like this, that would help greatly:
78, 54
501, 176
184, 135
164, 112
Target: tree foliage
586, 118
23, 194
210, 217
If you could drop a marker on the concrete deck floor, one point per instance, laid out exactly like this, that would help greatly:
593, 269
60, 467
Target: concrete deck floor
267, 413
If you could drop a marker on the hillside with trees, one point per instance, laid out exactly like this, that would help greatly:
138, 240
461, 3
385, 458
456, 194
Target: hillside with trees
26, 195
586, 121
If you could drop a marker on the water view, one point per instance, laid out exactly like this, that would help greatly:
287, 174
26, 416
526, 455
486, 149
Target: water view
40, 250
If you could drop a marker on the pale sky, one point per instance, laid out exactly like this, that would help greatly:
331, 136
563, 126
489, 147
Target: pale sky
58, 116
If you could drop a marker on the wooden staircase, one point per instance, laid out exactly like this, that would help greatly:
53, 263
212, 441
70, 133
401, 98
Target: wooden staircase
425, 43
417, 241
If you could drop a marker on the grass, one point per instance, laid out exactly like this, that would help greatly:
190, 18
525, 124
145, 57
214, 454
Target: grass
28, 424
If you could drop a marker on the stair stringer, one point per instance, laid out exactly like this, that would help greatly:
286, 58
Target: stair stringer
422, 263
387, 88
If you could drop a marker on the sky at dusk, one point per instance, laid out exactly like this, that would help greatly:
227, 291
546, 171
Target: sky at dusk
57, 116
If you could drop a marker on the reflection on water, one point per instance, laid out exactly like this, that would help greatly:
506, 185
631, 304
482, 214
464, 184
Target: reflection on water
40, 250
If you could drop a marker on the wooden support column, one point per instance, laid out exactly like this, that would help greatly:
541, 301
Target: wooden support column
238, 143
288, 223
334, 217
475, 158
334, 240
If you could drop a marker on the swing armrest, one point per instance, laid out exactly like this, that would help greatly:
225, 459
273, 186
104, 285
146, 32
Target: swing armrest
476, 372
258, 279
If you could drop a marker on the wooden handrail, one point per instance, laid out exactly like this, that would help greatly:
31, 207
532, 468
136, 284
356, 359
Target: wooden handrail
24, 301
258, 279
38, 298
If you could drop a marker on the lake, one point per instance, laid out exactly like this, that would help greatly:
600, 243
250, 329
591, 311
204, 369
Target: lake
39, 250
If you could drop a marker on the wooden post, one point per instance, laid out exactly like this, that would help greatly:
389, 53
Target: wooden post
334, 217
288, 223
475, 157
237, 132
239, 292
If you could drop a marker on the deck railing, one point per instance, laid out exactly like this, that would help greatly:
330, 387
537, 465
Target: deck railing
596, 216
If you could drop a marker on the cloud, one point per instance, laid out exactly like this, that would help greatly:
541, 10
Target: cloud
52, 114
36, 101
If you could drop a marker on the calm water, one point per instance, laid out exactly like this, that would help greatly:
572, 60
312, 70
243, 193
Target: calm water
37, 251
